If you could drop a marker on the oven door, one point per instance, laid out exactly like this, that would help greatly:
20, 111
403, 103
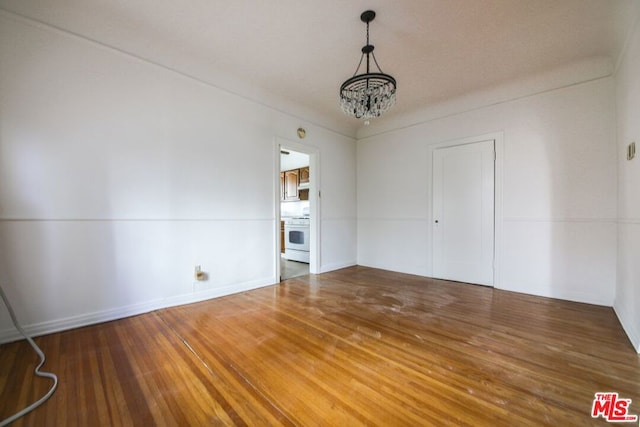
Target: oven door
296, 237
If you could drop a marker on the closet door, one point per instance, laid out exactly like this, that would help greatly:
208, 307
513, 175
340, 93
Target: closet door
463, 212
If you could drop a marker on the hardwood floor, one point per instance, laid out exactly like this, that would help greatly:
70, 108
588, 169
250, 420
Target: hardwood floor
351, 347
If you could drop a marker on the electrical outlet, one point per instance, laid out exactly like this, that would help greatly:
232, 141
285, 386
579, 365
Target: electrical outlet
199, 274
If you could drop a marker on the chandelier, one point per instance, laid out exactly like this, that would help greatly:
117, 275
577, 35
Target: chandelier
369, 95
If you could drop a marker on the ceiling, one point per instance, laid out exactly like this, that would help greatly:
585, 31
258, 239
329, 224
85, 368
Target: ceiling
293, 54
290, 159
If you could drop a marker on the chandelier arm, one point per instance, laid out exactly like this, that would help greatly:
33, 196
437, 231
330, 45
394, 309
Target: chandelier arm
376, 62
359, 64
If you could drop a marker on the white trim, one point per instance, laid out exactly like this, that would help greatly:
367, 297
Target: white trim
395, 219
314, 200
87, 319
622, 54
498, 138
630, 329
337, 266
566, 295
256, 96
255, 219
571, 75
634, 221
532, 219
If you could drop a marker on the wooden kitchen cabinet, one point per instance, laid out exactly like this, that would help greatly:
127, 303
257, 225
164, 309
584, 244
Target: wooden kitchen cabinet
304, 175
303, 178
290, 181
291, 185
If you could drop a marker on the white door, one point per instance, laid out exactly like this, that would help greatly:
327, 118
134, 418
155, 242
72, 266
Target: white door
463, 212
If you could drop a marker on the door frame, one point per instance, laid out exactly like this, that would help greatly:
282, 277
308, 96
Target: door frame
314, 201
498, 138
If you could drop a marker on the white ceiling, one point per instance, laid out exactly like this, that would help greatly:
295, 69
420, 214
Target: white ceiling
294, 54
293, 160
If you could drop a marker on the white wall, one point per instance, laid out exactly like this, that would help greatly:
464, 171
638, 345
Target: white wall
559, 192
627, 302
117, 177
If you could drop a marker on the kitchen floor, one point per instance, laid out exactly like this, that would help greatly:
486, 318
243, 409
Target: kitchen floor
289, 269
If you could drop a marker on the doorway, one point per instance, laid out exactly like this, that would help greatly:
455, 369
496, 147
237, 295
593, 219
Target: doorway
464, 212
297, 210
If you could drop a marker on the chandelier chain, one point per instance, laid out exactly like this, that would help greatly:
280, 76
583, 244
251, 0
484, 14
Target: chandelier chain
367, 32
367, 45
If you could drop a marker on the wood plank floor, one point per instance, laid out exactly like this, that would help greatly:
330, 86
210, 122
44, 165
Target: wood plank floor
357, 346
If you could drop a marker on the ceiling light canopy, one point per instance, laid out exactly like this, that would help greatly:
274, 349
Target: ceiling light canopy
368, 95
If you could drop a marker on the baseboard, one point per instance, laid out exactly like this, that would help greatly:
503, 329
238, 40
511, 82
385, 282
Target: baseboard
336, 266
87, 319
9, 335
629, 328
207, 294
58, 325
579, 297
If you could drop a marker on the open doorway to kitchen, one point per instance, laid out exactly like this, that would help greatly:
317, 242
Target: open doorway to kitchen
297, 210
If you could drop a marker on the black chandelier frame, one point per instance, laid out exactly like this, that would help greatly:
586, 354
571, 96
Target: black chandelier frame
369, 94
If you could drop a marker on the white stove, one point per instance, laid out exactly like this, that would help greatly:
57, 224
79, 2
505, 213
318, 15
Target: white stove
296, 239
